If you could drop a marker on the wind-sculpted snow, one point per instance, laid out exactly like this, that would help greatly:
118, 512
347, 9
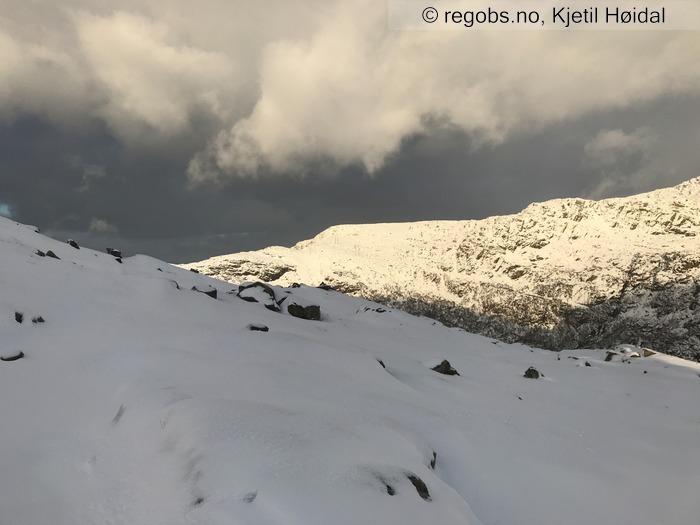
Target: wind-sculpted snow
563, 274
141, 398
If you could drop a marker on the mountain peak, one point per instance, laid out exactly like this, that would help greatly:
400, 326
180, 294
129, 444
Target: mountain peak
565, 273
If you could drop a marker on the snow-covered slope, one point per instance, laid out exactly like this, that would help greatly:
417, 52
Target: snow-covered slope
139, 400
567, 273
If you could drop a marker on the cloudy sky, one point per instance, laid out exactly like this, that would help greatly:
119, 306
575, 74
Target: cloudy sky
188, 129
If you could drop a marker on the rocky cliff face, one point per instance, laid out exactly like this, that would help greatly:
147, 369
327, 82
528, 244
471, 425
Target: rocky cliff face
565, 273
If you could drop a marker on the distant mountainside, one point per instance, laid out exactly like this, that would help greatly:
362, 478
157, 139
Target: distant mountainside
563, 274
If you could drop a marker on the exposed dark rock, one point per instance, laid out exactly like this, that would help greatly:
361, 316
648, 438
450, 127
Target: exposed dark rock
206, 290
52, 255
19, 317
118, 415
420, 486
378, 310
609, 356
118, 259
37, 319
243, 270
250, 497
258, 328
547, 322
15, 357
311, 312
40, 253
531, 373
197, 502
114, 253
246, 292
296, 285
445, 368
381, 363
433, 461
266, 287
327, 287
389, 489
193, 270
587, 363
73, 244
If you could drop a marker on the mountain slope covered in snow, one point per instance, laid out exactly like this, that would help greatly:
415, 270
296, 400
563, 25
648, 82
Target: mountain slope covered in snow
141, 393
563, 274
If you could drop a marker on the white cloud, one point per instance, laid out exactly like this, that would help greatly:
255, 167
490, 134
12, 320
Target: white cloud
275, 86
610, 147
101, 226
624, 160
148, 80
89, 172
39, 79
353, 91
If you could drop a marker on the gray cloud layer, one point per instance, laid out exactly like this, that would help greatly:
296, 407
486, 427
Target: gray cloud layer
281, 85
310, 113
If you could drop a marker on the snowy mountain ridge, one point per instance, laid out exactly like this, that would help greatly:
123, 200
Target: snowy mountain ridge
135, 392
566, 273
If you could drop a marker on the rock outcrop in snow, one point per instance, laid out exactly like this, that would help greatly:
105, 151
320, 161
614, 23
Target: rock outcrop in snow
567, 273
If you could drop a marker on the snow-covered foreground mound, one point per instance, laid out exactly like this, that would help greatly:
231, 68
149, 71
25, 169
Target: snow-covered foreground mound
142, 401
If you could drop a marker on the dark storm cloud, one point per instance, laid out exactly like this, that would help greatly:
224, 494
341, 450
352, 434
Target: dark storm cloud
185, 130
85, 186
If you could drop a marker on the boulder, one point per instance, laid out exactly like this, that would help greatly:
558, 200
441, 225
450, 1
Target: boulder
73, 244
445, 368
40, 253
37, 319
19, 317
52, 255
258, 328
206, 290
13, 357
311, 312
420, 486
531, 373
114, 253
259, 293
629, 351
